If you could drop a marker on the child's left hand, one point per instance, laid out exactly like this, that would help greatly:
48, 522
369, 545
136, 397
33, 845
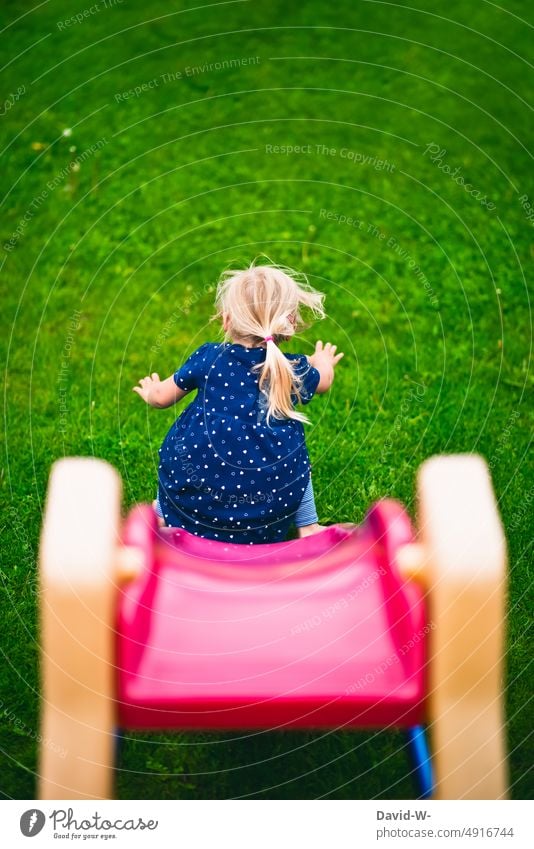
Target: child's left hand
147, 390
159, 393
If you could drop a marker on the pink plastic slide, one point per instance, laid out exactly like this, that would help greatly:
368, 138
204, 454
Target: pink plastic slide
309, 633
153, 628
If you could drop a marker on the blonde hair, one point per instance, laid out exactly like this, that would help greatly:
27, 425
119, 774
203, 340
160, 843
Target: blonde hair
263, 301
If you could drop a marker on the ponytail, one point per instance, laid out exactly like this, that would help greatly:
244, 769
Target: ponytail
280, 383
263, 303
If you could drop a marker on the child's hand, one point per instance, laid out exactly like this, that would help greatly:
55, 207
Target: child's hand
159, 393
147, 390
324, 356
324, 359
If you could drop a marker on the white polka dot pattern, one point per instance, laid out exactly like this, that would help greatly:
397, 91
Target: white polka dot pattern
224, 472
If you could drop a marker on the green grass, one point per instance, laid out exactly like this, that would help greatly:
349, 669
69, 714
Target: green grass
177, 183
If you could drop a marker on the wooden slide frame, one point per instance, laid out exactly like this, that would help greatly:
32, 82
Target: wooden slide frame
460, 556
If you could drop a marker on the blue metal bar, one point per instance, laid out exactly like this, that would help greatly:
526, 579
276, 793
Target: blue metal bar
119, 740
421, 760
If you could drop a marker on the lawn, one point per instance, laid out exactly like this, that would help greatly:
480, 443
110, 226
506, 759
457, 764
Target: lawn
381, 149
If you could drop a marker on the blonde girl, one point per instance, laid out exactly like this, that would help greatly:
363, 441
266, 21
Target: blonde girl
234, 466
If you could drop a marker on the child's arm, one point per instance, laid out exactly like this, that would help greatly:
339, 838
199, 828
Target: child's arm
324, 359
159, 393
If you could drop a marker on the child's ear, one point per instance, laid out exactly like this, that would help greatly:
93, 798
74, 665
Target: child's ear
225, 321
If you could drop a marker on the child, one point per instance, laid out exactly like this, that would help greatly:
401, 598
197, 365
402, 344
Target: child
234, 466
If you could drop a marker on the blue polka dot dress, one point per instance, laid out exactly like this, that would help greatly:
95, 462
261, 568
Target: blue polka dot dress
225, 473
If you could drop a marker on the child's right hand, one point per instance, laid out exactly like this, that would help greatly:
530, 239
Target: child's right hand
324, 355
324, 359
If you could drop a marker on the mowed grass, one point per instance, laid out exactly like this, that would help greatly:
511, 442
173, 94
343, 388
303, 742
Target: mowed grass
108, 273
